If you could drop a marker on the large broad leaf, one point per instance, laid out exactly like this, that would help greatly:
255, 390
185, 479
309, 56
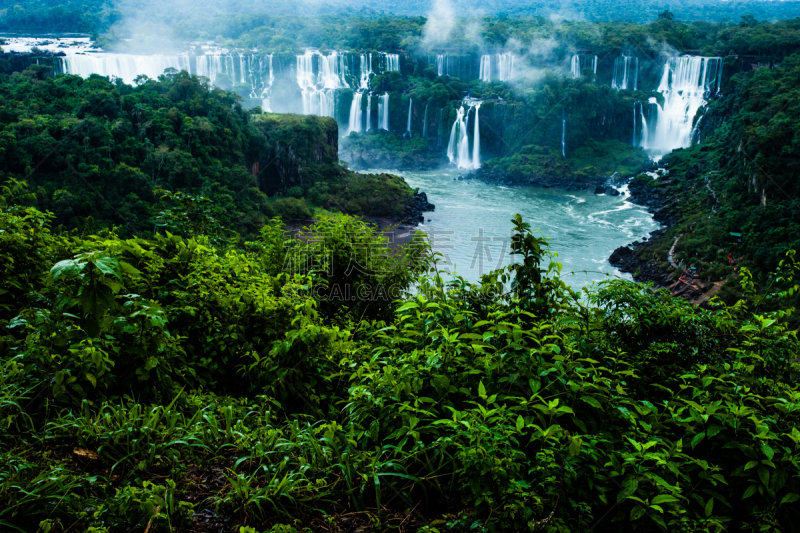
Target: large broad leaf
664, 498
107, 265
67, 267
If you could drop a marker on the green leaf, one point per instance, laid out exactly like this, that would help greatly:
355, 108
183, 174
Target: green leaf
520, 423
664, 498
766, 450
790, 498
709, 507
763, 475
68, 267
697, 439
575, 447
481, 390
750, 491
591, 401
750, 464
636, 513
107, 265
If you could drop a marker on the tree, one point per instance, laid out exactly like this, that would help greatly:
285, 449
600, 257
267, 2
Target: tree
666, 15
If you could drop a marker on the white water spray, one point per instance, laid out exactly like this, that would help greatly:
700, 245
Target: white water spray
355, 113
383, 112
408, 122
685, 84
501, 65
458, 146
369, 112
626, 73
391, 62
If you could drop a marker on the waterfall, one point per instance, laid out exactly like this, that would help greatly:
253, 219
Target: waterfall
318, 91
582, 61
425, 122
476, 140
365, 71
125, 67
383, 112
645, 133
633, 142
624, 66
486, 68
369, 112
458, 145
319, 102
266, 91
305, 70
408, 123
332, 71
503, 65
441, 64
391, 62
257, 71
696, 130
463, 141
563, 133
685, 84
355, 113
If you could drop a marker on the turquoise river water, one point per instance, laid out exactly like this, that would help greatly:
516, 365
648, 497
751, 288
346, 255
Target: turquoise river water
471, 224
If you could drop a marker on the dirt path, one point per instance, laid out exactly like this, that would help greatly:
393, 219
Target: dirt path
713, 193
671, 256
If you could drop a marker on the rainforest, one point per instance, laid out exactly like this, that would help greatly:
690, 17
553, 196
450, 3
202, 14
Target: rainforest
399, 266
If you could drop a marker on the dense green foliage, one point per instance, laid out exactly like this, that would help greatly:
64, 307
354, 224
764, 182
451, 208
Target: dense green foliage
90, 15
92, 148
741, 178
165, 380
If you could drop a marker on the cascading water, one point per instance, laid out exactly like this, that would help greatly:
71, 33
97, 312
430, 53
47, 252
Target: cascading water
425, 122
355, 113
486, 68
369, 112
563, 133
441, 63
501, 64
476, 140
408, 122
505, 66
383, 112
458, 146
266, 91
575, 66
365, 71
221, 69
582, 61
391, 62
685, 84
626, 73
318, 90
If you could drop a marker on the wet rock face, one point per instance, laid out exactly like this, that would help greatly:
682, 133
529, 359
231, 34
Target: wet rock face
621, 256
365, 159
419, 204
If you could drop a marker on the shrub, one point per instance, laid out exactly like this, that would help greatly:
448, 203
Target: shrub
292, 209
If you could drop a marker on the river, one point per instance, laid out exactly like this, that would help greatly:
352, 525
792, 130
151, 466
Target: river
472, 222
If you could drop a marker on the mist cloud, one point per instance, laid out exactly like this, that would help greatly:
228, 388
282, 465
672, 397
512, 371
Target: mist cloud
440, 24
